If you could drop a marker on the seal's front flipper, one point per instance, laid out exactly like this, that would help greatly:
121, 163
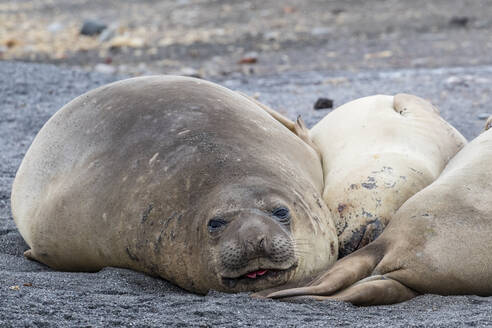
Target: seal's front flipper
30, 255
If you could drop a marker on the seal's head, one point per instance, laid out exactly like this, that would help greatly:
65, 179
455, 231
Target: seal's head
254, 235
260, 233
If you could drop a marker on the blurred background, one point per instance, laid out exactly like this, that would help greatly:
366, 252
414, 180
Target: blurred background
217, 38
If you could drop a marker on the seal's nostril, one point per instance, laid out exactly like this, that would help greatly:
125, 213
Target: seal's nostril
261, 244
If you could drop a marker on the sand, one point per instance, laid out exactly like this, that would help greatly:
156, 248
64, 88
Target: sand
32, 295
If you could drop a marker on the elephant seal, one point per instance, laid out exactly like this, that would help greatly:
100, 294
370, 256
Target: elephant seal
377, 152
439, 241
178, 178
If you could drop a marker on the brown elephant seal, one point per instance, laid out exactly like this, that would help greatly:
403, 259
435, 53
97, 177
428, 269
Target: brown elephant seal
438, 242
178, 178
377, 152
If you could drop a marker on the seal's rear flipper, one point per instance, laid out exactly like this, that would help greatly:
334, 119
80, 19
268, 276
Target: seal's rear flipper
418, 109
29, 254
299, 128
273, 113
488, 125
406, 104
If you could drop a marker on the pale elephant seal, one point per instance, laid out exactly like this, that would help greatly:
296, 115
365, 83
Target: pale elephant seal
377, 152
179, 178
439, 241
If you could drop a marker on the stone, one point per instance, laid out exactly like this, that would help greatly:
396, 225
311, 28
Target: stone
459, 21
323, 103
108, 33
105, 69
55, 27
92, 27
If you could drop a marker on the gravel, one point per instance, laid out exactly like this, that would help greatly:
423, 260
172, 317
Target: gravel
213, 36
31, 93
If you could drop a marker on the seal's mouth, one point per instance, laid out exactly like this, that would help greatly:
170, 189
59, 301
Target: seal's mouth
258, 273
257, 276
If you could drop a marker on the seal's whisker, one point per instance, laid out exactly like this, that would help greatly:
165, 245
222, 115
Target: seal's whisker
300, 248
301, 243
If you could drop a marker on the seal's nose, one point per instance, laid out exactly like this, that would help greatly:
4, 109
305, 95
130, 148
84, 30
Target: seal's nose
254, 234
253, 244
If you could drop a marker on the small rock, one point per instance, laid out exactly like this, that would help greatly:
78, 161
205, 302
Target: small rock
55, 27
142, 68
104, 68
108, 34
10, 43
318, 31
453, 81
459, 21
153, 51
249, 58
484, 116
92, 27
337, 11
126, 41
271, 36
381, 54
289, 10
123, 69
189, 71
337, 81
323, 103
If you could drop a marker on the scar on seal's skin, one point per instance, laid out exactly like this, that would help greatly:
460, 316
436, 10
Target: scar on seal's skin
332, 248
132, 256
146, 213
371, 185
341, 207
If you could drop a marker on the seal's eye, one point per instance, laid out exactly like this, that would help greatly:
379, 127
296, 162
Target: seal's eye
216, 224
282, 214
